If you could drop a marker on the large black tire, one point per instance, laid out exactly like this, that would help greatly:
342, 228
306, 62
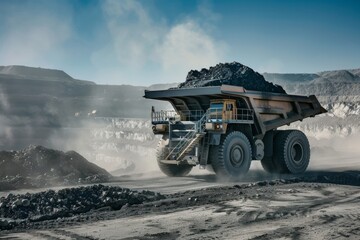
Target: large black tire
232, 157
213, 155
291, 152
170, 170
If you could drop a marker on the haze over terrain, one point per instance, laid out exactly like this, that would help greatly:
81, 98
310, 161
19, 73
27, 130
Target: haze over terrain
110, 126
77, 150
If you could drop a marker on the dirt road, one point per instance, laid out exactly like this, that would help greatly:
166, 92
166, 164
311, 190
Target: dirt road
156, 181
264, 210
320, 204
314, 212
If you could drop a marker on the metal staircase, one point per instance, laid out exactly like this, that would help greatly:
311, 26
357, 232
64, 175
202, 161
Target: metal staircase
188, 141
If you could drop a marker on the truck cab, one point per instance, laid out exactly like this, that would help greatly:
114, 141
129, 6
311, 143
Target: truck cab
221, 109
225, 111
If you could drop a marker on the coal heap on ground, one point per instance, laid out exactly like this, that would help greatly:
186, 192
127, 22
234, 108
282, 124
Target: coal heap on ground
37, 166
17, 209
231, 74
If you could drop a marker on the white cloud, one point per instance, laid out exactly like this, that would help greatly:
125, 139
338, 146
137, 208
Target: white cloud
186, 46
205, 10
139, 41
133, 32
29, 37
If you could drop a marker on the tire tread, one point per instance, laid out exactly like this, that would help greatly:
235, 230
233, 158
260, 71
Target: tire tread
171, 170
218, 154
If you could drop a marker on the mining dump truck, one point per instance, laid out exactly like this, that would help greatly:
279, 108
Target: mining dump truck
227, 127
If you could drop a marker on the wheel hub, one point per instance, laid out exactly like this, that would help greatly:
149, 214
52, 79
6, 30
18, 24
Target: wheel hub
236, 156
297, 152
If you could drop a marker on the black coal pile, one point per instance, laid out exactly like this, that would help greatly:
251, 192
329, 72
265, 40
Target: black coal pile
37, 166
231, 74
15, 209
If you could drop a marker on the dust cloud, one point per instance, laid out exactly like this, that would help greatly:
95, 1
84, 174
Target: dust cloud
108, 125
338, 153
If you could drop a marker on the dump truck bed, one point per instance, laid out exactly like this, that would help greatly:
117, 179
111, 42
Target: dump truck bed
272, 110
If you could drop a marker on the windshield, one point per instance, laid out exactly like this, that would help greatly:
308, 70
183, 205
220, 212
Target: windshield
215, 112
216, 107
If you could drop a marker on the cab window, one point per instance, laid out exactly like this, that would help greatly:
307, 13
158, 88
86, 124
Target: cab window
229, 107
216, 107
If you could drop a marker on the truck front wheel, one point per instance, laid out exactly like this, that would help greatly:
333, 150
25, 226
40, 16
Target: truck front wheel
171, 170
291, 151
233, 156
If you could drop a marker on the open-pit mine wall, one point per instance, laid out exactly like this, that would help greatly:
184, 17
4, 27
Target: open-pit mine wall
110, 125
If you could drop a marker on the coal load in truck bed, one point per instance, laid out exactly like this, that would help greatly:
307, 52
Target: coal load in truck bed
231, 74
37, 166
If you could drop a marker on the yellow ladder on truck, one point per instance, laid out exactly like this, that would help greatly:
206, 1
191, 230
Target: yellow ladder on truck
189, 141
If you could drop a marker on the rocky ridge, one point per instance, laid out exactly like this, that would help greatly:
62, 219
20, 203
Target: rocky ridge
31, 73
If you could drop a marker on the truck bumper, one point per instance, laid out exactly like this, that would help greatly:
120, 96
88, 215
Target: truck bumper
187, 160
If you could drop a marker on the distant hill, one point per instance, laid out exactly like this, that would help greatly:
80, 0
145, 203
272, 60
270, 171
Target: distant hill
337, 76
355, 72
328, 83
309, 78
290, 78
53, 94
31, 73
37, 104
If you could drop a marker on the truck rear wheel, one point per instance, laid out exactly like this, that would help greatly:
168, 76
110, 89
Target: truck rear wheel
170, 170
291, 151
233, 156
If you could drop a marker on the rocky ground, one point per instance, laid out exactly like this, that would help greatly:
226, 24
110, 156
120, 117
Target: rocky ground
23, 210
316, 205
37, 166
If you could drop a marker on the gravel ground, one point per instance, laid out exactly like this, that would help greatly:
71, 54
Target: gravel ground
104, 212
23, 209
37, 166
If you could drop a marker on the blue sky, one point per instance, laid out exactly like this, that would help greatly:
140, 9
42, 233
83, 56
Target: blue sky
158, 41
